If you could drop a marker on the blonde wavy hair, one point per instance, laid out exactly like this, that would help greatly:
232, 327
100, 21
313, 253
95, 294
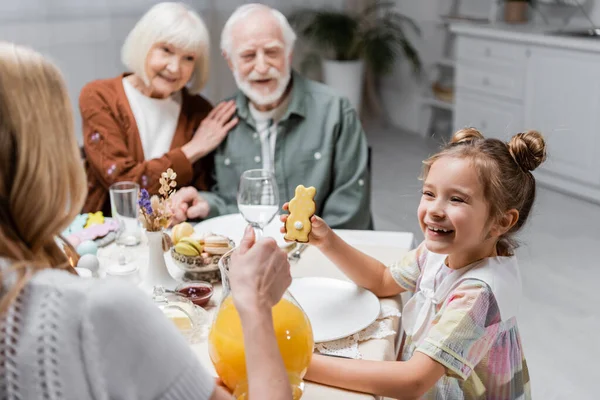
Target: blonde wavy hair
42, 181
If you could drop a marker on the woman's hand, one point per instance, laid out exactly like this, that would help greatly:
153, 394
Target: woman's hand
259, 274
211, 132
320, 234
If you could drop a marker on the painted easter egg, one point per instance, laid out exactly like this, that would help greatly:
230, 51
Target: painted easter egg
87, 247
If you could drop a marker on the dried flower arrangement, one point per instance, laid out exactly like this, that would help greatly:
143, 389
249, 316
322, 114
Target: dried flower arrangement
155, 211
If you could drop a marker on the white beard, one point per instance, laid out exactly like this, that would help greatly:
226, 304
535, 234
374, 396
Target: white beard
258, 98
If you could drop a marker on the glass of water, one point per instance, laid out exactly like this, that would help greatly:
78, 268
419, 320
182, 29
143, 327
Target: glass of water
258, 198
124, 209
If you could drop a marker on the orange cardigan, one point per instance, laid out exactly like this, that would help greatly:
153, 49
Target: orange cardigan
113, 148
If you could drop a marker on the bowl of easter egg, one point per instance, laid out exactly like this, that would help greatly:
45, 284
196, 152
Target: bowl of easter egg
198, 255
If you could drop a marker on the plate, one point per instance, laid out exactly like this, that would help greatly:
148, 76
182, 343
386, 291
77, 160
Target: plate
336, 308
233, 226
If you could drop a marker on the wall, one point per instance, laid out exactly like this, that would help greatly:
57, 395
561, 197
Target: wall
402, 91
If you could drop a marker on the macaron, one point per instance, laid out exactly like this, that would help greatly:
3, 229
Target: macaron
188, 247
217, 245
193, 243
181, 230
199, 237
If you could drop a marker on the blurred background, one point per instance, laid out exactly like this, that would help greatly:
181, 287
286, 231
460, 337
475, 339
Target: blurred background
432, 67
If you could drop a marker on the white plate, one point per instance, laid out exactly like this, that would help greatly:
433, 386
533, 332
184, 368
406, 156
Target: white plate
233, 226
336, 308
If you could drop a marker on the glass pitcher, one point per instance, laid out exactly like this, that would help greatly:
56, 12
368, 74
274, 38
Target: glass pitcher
226, 343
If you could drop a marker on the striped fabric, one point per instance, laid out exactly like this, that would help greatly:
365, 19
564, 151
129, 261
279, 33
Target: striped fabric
482, 354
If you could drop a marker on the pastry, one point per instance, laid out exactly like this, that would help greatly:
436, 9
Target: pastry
96, 218
216, 245
77, 225
184, 229
188, 247
302, 207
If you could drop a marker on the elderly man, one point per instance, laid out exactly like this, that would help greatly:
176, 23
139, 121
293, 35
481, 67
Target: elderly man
300, 129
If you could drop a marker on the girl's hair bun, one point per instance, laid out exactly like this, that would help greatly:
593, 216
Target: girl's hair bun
528, 149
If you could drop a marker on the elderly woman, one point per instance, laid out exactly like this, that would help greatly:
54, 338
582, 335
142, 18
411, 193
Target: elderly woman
142, 122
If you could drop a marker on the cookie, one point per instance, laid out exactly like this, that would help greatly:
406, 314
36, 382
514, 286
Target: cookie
96, 231
302, 207
96, 218
77, 225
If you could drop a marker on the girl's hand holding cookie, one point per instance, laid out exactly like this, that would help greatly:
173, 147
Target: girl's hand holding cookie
320, 234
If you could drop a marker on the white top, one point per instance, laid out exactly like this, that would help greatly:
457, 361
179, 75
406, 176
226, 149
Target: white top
156, 120
266, 129
501, 274
71, 338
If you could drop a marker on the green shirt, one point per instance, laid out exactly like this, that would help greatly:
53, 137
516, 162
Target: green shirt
320, 142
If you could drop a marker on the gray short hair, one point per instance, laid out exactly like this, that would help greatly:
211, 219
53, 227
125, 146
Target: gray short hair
175, 24
289, 36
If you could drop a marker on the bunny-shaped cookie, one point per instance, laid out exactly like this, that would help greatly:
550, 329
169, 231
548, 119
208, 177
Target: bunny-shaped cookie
302, 207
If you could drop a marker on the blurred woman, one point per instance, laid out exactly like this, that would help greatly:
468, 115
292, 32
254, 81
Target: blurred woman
64, 337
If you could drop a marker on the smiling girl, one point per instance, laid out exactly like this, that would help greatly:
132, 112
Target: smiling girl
462, 339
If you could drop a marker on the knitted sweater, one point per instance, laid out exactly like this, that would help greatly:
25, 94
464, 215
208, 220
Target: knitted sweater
71, 338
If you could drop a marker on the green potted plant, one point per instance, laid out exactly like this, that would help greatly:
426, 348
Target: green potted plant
517, 11
348, 42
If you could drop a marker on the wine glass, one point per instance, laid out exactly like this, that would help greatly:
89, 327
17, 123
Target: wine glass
258, 198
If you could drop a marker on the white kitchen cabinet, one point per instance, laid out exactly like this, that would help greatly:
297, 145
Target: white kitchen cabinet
563, 102
508, 82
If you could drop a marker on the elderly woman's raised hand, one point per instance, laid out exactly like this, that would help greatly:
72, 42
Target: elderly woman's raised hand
212, 131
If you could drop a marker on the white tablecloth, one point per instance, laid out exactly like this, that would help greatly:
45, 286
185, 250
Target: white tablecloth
385, 246
312, 263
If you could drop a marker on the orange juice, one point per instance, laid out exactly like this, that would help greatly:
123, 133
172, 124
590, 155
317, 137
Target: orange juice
226, 345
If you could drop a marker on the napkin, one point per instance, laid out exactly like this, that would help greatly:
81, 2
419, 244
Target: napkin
348, 346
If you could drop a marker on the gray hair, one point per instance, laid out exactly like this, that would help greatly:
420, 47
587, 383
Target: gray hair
175, 24
289, 36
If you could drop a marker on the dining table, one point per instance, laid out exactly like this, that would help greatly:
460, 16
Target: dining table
386, 246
